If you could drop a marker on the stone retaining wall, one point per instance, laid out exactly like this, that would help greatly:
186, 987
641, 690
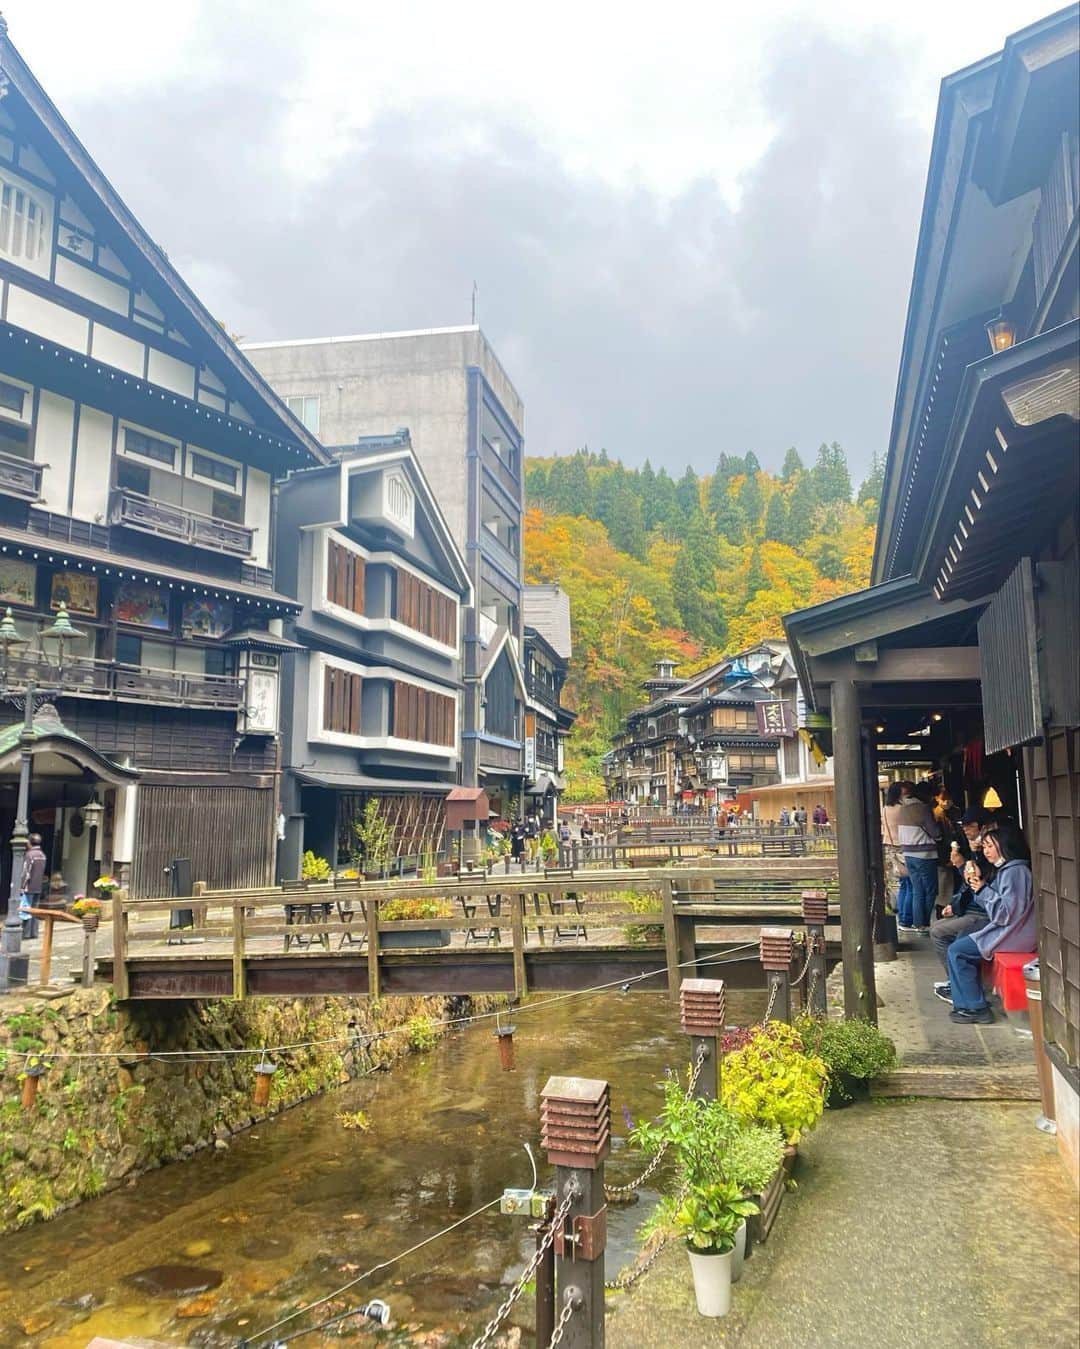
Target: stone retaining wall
97, 1122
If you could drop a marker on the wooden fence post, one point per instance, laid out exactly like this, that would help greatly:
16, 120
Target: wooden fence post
701, 1007
671, 937
239, 979
373, 947
119, 945
776, 945
575, 1115
517, 934
815, 907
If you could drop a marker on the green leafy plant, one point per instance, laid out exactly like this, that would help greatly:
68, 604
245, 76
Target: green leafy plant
644, 902
711, 1214
375, 834
752, 1156
696, 1132
314, 868
403, 909
774, 1081
549, 846
420, 1033
853, 1047
354, 1119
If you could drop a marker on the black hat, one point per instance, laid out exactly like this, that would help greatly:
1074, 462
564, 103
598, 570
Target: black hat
973, 815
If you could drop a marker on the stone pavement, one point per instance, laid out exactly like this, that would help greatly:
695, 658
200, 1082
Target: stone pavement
949, 1224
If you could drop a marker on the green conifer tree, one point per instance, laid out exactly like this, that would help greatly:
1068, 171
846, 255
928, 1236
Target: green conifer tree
776, 518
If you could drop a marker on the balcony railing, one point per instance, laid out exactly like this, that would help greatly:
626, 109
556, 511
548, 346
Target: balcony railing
20, 477
541, 692
166, 521
84, 676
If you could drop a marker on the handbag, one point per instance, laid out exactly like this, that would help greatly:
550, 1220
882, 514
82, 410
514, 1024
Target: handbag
897, 866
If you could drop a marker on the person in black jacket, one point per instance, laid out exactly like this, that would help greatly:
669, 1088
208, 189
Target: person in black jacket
964, 914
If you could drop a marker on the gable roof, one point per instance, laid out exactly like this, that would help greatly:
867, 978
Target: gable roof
495, 651
148, 262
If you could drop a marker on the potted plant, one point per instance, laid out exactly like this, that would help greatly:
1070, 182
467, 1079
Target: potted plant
854, 1050
375, 835
549, 848
709, 1218
753, 1159
314, 868
404, 909
106, 885
89, 910
772, 1080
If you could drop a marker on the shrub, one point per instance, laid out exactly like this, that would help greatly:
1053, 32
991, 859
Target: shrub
638, 901
420, 1033
697, 1133
752, 1156
711, 1214
314, 868
853, 1046
401, 910
774, 1081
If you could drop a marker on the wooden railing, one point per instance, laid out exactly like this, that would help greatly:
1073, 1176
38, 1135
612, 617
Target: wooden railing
164, 520
510, 915
88, 677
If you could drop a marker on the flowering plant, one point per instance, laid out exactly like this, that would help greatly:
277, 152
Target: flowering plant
107, 884
83, 905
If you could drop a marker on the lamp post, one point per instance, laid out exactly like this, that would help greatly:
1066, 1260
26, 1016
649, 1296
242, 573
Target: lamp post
14, 966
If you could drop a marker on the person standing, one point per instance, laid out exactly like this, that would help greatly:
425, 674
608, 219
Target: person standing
33, 882
517, 841
800, 819
896, 868
532, 836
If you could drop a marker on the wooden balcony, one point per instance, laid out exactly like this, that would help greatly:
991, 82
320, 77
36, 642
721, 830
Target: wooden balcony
20, 477
86, 677
541, 692
166, 521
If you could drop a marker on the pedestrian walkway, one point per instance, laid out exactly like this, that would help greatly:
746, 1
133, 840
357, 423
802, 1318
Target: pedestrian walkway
945, 1224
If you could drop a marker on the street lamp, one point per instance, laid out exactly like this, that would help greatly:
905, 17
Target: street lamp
14, 966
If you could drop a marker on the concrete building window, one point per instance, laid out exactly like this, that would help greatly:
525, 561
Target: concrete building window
344, 577
24, 225
423, 715
306, 407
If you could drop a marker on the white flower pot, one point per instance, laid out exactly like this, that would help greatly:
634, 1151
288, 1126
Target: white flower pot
739, 1253
712, 1281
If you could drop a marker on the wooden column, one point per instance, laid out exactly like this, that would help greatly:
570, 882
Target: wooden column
701, 1007
815, 907
856, 928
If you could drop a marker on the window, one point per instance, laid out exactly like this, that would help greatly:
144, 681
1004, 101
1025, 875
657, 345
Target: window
425, 609
128, 649
150, 447
24, 224
216, 660
205, 467
344, 577
423, 715
133, 478
341, 701
12, 398
225, 506
306, 407
15, 420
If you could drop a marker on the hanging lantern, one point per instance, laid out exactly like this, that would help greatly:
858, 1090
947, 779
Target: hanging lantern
264, 1071
991, 801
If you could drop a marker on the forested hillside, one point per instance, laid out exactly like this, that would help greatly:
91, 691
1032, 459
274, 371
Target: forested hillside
693, 567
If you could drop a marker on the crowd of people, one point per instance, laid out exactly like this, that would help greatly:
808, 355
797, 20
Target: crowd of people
963, 880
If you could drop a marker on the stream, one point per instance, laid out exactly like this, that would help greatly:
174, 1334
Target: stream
300, 1205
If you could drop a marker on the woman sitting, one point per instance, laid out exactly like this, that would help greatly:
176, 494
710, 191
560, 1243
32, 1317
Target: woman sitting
1008, 899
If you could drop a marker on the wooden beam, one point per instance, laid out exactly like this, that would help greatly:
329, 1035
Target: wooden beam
901, 666
1010, 1083
867, 627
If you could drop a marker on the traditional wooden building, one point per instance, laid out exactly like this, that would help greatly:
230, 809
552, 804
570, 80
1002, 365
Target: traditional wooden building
373, 692
138, 455
964, 650
548, 650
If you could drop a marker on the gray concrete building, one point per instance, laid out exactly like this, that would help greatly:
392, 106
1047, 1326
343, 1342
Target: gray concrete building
466, 424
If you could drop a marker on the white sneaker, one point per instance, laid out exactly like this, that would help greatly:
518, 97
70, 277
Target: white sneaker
940, 983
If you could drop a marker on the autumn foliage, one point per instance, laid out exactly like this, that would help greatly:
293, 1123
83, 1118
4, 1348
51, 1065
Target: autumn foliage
691, 569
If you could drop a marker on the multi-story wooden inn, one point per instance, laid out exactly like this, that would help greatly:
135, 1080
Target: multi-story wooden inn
138, 454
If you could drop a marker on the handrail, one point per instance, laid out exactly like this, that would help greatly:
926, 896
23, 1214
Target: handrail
92, 677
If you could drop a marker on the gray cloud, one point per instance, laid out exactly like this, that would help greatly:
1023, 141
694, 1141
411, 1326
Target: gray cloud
668, 328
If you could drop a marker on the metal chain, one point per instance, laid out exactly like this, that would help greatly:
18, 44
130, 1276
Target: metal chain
772, 1000
627, 1280
810, 988
811, 947
569, 1308
615, 1191
485, 1336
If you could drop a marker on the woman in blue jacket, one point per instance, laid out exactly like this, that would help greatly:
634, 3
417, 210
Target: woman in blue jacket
1008, 899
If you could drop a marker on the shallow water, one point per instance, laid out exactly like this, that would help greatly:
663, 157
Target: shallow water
300, 1205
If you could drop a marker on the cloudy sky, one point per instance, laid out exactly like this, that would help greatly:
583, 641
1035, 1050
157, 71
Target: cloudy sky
691, 225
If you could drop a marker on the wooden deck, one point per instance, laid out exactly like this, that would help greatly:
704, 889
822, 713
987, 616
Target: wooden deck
507, 934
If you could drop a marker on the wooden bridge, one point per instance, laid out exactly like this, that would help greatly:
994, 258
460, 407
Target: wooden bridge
504, 934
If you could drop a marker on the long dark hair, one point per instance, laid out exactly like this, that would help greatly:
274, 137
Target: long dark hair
892, 796
1010, 841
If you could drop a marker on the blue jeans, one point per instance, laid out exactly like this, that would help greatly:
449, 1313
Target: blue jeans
963, 960
903, 902
923, 873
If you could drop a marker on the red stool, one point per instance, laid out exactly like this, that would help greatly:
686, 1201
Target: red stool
1009, 978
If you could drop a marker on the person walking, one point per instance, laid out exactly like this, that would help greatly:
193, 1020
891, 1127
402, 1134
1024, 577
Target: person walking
532, 836
33, 882
1009, 902
517, 841
800, 819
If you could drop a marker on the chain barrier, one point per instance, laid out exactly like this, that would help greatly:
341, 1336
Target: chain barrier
569, 1308
485, 1336
774, 989
811, 947
627, 1280
617, 1191
810, 989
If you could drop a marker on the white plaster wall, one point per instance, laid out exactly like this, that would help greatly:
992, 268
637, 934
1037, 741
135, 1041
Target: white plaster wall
47, 319
92, 464
114, 348
172, 374
91, 285
52, 446
1067, 1111
257, 514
